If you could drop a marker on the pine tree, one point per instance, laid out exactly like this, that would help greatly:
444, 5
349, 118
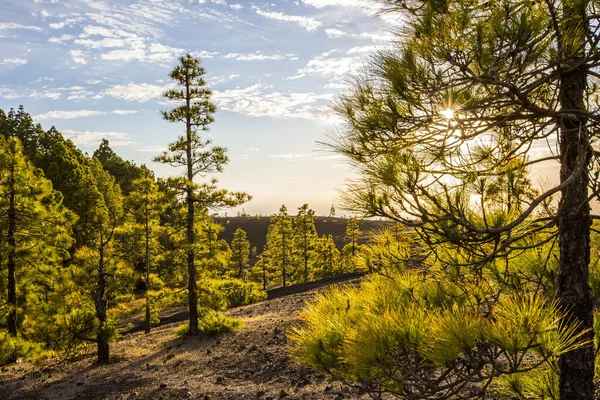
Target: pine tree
108, 215
35, 228
63, 164
240, 251
465, 90
214, 254
353, 233
125, 172
199, 159
144, 206
280, 243
305, 238
329, 263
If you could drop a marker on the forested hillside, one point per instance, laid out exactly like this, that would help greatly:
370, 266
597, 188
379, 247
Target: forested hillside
458, 139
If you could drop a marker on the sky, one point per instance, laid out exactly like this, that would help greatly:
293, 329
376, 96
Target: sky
98, 69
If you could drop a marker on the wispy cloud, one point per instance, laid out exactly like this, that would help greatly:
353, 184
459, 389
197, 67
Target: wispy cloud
14, 26
140, 92
260, 101
93, 138
308, 23
325, 65
72, 114
13, 61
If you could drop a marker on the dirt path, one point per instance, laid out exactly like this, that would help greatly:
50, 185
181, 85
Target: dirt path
250, 364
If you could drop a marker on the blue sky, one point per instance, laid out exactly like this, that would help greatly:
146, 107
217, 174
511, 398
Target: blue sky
97, 69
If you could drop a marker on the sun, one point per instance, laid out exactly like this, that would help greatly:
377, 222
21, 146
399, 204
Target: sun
448, 113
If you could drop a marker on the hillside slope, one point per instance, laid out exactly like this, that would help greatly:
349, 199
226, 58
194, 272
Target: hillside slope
250, 364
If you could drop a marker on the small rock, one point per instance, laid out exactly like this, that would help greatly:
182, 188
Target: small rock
163, 386
219, 378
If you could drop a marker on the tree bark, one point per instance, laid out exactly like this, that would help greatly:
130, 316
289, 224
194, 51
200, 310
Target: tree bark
305, 256
147, 231
284, 261
575, 296
100, 303
12, 243
191, 237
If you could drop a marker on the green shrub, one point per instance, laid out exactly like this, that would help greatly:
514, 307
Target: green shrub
237, 293
13, 348
389, 336
212, 323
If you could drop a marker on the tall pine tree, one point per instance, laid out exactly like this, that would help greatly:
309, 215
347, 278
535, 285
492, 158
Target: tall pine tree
199, 159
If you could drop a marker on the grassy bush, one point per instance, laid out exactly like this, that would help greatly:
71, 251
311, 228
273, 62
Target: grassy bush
212, 323
13, 348
237, 293
410, 324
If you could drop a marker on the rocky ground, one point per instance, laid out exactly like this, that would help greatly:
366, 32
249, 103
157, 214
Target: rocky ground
252, 363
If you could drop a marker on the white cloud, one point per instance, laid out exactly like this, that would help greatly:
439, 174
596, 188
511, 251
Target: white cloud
124, 112
93, 138
363, 49
9, 94
236, 6
137, 50
258, 101
77, 56
324, 66
335, 33
68, 114
124, 55
61, 39
384, 37
13, 26
68, 22
258, 56
204, 54
366, 5
308, 23
14, 61
79, 114
140, 92
45, 95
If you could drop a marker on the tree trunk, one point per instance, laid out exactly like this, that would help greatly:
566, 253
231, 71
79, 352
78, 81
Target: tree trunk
12, 243
305, 256
100, 303
283, 260
191, 237
575, 296
147, 217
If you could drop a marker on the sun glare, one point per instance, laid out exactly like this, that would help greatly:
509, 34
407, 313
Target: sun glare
448, 113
